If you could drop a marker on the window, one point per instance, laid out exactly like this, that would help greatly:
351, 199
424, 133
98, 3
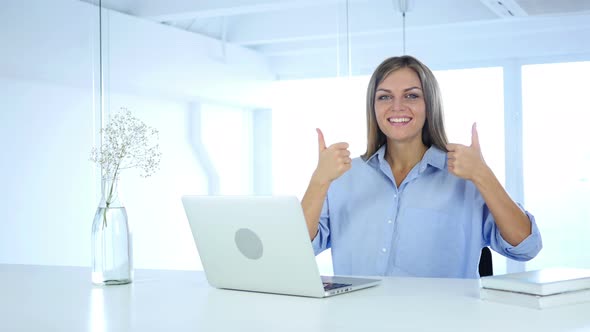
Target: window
557, 160
336, 106
476, 95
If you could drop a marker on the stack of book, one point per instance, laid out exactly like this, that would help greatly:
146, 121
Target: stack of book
538, 289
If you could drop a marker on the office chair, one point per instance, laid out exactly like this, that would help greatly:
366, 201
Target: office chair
486, 267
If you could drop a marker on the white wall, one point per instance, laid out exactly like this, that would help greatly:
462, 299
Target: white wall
50, 119
147, 58
48, 184
47, 119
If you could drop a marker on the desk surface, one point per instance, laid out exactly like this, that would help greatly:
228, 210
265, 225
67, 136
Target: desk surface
43, 298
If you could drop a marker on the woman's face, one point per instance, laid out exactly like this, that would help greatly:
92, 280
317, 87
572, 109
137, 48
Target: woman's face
399, 106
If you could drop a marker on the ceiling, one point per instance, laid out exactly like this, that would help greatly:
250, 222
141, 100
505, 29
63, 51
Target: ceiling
304, 38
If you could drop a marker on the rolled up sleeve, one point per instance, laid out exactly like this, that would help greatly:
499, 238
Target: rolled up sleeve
525, 250
321, 241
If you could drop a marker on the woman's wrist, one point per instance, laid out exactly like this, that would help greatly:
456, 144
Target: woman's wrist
483, 175
320, 181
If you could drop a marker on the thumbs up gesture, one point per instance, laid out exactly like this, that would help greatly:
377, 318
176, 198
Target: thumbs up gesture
333, 161
466, 161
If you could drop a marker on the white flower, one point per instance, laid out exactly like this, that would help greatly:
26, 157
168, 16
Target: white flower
127, 143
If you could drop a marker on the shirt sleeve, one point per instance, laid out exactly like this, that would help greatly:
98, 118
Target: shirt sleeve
524, 251
321, 241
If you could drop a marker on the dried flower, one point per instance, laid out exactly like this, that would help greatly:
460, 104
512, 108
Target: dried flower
127, 143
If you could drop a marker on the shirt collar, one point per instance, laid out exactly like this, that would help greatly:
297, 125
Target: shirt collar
380, 154
433, 157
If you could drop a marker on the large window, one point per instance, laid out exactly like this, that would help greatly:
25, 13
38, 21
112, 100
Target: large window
557, 160
336, 106
476, 95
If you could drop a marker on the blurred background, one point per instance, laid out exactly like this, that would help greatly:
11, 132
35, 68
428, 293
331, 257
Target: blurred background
237, 87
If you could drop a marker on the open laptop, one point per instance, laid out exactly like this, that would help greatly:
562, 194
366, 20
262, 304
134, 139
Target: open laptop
261, 244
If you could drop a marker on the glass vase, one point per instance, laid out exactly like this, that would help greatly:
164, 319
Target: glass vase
111, 239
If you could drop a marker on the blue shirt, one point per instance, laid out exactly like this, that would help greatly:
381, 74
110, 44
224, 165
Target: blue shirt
434, 225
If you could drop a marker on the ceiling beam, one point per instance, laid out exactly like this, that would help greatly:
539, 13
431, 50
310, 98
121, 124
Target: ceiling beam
330, 20
505, 8
176, 10
255, 33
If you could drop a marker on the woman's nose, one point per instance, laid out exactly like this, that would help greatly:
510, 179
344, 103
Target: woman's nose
397, 104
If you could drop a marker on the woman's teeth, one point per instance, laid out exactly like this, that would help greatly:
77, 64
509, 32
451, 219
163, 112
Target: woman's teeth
399, 120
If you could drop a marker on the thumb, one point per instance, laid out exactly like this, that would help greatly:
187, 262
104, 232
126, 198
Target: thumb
321, 141
474, 136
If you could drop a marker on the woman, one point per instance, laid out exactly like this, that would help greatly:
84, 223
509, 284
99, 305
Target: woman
412, 204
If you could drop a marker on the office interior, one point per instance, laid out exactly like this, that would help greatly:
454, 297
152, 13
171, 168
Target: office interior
237, 88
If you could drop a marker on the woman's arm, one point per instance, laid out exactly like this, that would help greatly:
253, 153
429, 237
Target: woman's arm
467, 162
333, 161
513, 223
312, 204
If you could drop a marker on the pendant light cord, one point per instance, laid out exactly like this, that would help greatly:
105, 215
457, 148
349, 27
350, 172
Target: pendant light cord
402, 6
404, 32
100, 59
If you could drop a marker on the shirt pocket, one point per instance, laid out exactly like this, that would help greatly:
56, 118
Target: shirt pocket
430, 243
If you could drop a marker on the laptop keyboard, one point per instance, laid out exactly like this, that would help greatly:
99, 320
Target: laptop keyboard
333, 285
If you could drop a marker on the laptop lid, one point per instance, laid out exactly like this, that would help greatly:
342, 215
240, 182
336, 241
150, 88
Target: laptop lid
260, 243
254, 243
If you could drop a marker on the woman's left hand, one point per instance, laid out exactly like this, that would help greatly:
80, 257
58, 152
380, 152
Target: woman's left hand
466, 161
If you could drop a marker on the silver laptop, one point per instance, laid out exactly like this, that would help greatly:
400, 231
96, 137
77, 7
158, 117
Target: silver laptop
260, 244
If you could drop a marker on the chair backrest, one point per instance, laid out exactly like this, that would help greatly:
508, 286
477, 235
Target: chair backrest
486, 267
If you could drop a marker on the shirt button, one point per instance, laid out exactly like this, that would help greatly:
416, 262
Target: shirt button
383, 249
389, 221
394, 195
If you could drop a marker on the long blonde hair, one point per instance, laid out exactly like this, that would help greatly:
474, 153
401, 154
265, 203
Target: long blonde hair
433, 132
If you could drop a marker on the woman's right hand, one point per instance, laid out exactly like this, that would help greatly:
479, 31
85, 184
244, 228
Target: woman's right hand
333, 161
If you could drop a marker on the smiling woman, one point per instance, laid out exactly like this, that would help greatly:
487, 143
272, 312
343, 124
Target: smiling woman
340, 117
362, 208
399, 107
404, 89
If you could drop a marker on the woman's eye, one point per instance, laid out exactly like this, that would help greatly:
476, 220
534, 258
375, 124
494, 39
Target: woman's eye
384, 97
412, 96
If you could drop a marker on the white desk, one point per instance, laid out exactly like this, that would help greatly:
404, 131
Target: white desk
42, 298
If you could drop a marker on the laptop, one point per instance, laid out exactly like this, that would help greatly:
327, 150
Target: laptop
260, 244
